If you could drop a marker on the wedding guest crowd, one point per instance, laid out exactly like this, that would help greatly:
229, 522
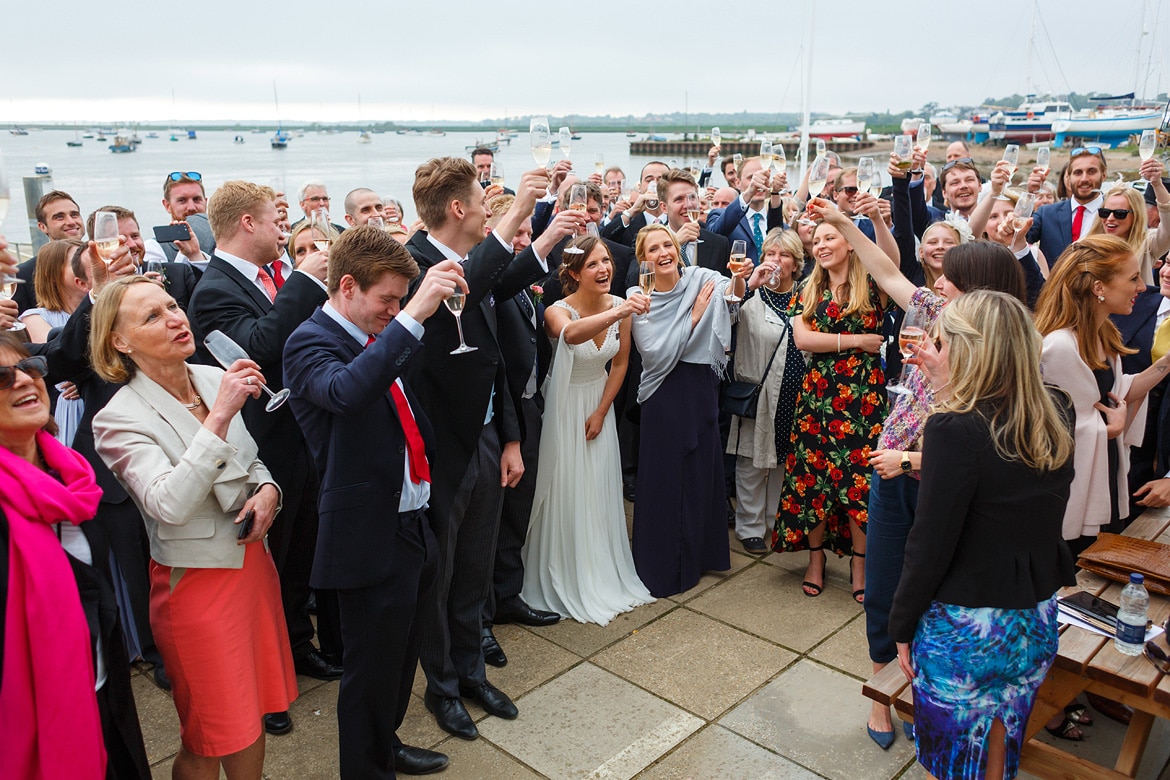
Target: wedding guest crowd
420, 432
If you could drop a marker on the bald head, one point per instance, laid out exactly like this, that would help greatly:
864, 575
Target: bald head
361, 204
724, 197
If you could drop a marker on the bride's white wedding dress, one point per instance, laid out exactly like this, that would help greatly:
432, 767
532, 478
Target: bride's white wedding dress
577, 559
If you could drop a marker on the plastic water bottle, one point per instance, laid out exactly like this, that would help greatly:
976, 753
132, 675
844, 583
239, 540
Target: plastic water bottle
1131, 617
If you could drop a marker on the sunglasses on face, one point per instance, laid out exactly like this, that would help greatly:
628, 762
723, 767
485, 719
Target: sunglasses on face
1119, 213
1094, 150
848, 190
35, 367
189, 175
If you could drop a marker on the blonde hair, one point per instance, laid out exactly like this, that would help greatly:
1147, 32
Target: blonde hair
232, 201
855, 290
301, 227
644, 236
994, 360
1067, 299
1136, 203
108, 363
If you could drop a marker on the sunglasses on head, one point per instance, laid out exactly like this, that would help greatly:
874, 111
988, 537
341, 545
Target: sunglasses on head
1096, 150
953, 163
1119, 213
189, 175
35, 367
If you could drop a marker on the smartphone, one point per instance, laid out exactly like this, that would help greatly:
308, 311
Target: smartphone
167, 234
246, 525
1091, 606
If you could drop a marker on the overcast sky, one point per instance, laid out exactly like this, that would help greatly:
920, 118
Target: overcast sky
428, 60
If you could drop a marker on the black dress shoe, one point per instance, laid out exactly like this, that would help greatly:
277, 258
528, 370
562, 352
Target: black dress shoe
417, 761
492, 699
493, 654
754, 545
451, 715
160, 677
628, 491
514, 610
277, 723
311, 664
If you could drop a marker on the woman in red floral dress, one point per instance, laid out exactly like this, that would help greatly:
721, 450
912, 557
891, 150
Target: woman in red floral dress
839, 412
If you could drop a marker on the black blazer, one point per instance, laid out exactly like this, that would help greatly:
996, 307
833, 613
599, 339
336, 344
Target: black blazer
341, 398
521, 343
180, 280
987, 532
455, 388
26, 294
224, 300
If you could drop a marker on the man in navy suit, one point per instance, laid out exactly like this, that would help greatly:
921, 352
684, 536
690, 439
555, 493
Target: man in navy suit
1149, 464
627, 219
750, 216
373, 447
1059, 224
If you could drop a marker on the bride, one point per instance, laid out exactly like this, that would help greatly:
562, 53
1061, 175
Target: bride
577, 559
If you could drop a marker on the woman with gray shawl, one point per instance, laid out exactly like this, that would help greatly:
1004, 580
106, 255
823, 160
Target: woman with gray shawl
680, 508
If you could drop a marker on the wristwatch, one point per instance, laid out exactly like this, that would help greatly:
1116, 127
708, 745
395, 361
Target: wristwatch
906, 468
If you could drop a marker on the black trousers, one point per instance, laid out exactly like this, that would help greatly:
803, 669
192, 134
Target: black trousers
381, 631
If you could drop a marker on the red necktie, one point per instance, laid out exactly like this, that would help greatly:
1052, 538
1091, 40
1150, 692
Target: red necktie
420, 470
277, 276
266, 280
1078, 219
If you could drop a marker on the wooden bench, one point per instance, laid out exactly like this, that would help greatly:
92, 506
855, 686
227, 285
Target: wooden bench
1085, 661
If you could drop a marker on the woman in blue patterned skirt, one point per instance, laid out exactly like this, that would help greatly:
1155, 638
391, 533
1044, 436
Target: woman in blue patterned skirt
985, 554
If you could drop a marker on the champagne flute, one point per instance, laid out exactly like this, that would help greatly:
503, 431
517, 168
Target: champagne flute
778, 160
566, 137
924, 132
1011, 155
578, 201
864, 174
105, 235
818, 176
904, 148
696, 169
820, 147
652, 195
1044, 158
226, 352
495, 175
875, 187
1023, 210
377, 221
1148, 144
737, 160
765, 153
913, 331
7, 290
599, 164
319, 225
736, 263
540, 139
454, 305
694, 211
646, 270
716, 137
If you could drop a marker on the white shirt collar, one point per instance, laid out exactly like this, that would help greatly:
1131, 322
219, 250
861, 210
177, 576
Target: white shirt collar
353, 330
448, 252
250, 270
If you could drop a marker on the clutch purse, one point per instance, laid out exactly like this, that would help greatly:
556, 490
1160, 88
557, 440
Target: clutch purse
1114, 557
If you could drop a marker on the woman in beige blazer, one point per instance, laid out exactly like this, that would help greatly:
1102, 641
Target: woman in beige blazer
173, 436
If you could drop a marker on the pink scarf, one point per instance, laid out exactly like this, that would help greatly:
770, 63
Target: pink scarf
48, 712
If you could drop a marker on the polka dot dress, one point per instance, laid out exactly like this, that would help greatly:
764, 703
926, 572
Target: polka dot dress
793, 371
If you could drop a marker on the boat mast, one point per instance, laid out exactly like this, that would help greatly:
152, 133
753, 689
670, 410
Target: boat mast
804, 107
276, 99
1137, 63
1028, 85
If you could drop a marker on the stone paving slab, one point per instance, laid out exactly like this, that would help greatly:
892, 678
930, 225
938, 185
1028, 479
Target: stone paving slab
716, 752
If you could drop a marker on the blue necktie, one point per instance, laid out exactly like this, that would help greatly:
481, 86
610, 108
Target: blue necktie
757, 235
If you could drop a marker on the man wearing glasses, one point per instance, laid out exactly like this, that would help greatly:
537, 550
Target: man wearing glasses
313, 196
186, 202
1059, 224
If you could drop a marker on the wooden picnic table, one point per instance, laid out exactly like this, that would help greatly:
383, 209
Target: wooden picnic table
1085, 661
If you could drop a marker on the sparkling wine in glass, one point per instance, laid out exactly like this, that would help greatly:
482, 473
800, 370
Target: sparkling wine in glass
599, 163
716, 137
737, 159
924, 132
454, 305
765, 154
7, 290
820, 147
578, 201
864, 174
696, 169
913, 332
646, 282
496, 176
1148, 144
540, 140
1023, 210
875, 187
904, 148
818, 176
1011, 155
736, 264
319, 225
226, 352
778, 159
105, 235
566, 138
1044, 158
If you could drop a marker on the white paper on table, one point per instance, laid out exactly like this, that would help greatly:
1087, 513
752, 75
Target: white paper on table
1064, 617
